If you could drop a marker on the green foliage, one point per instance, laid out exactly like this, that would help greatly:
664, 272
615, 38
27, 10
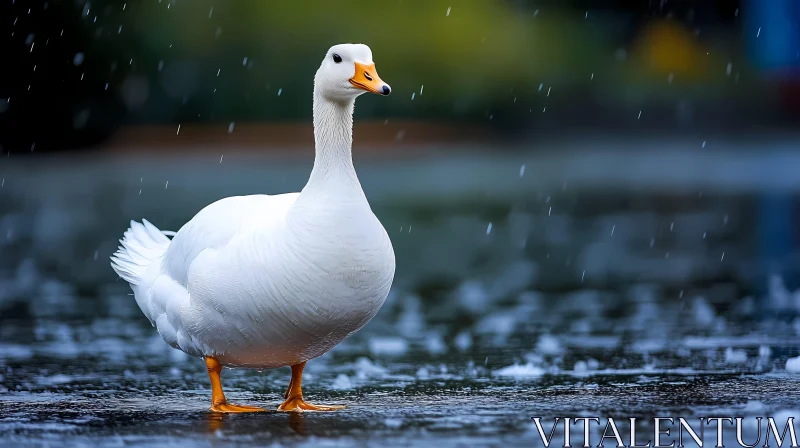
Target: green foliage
256, 59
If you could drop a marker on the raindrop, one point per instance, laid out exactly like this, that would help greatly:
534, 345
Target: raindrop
420, 89
549, 211
230, 126
522, 170
583, 275
280, 91
210, 11
179, 130
612, 229
548, 90
220, 158
244, 61
723, 256
640, 116
448, 12
167, 185
728, 69
759, 32
704, 144
489, 229
412, 95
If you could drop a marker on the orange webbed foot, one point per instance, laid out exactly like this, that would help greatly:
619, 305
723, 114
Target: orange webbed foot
297, 404
230, 408
218, 401
294, 395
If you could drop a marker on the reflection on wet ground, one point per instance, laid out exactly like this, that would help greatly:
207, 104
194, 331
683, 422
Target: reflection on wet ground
571, 303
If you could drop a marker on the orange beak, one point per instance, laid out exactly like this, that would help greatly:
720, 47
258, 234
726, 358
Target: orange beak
366, 78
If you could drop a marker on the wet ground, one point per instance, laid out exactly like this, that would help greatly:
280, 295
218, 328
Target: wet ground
558, 301
110, 381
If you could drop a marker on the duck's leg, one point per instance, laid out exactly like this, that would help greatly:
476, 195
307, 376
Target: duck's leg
218, 401
294, 399
288, 389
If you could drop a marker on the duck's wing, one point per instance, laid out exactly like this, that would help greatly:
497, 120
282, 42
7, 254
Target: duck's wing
217, 224
158, 269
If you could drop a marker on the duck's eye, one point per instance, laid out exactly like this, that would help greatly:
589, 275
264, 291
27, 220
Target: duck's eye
336, 58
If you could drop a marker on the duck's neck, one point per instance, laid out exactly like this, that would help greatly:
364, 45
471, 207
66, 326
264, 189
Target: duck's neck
333, 171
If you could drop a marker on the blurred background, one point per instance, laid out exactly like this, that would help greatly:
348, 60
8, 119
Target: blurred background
93, 73
578, 192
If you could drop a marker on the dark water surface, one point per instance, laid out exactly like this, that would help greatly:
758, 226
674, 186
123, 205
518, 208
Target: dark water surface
558, 298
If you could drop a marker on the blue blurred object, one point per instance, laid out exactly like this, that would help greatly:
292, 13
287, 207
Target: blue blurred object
772, 33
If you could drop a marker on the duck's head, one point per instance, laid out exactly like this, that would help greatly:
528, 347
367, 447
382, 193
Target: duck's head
348, 71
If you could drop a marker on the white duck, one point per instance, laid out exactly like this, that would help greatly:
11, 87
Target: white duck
271, 281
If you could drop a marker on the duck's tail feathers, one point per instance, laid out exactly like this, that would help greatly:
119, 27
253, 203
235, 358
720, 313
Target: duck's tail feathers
142, 245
